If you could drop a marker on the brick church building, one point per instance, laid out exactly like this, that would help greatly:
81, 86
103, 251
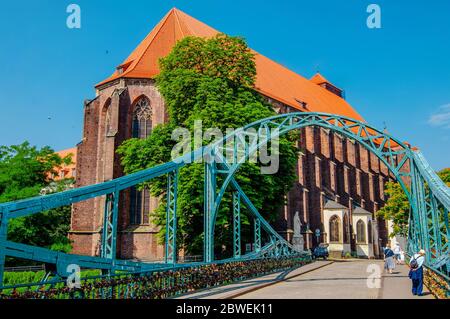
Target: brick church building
339, 187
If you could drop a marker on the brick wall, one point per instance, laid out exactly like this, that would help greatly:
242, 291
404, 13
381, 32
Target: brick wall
99, 162
329, 166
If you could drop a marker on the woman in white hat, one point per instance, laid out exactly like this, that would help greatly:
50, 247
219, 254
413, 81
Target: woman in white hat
402, 257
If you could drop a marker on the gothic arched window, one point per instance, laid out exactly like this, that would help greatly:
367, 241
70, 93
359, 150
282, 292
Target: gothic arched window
106, 118
360, 232
142, 118
346, 230
369, 232
141, 128
335, 225
108, 121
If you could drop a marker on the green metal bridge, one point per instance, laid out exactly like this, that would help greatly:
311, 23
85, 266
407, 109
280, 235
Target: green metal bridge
429, 201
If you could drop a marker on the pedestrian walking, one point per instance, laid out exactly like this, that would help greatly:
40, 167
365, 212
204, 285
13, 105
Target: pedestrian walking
389, 263
402, 257
416, 272
397, 249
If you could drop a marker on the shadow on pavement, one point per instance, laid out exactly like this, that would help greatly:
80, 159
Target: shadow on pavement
254, 282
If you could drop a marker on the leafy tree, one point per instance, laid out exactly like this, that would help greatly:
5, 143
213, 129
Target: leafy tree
47, 229
445, 176
397, 206
25, 171
211, 80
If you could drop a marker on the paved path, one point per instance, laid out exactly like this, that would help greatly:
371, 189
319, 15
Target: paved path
342, 280
236, 289
322, 280
398, 286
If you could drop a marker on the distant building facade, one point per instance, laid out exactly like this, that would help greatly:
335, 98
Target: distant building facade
66, 171
332, 170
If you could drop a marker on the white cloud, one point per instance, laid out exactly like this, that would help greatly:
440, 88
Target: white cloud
441, 118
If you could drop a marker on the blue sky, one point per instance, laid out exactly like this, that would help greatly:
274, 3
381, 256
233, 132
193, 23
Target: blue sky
398, 75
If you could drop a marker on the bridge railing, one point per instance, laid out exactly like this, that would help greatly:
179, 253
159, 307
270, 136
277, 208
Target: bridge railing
429, 228
429, 222
161, 284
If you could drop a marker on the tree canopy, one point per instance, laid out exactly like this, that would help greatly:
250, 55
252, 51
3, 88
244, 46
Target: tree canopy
211, 80
25, 171
397, 206
445, 176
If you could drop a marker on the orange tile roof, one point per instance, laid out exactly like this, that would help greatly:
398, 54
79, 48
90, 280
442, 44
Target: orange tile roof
72, 151
273, 80
319, 79
66, 171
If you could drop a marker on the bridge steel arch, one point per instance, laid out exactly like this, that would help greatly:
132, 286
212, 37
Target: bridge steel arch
429, 198
386, 148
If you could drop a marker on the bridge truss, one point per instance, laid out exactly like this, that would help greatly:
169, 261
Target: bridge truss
429, 199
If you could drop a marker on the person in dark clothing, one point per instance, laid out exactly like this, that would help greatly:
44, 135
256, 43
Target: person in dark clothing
389, 263
416, 272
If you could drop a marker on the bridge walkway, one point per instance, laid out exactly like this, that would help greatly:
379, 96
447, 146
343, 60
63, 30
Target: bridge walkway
246, 286
398, 286
321, 280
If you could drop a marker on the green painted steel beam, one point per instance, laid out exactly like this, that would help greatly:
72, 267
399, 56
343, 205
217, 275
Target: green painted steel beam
257, 225
171, 218
3, 238
236, 225
209, 200
428, 196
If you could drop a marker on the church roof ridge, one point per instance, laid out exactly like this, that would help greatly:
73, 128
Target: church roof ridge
331, 204
273, 80
318, 78
361, 211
